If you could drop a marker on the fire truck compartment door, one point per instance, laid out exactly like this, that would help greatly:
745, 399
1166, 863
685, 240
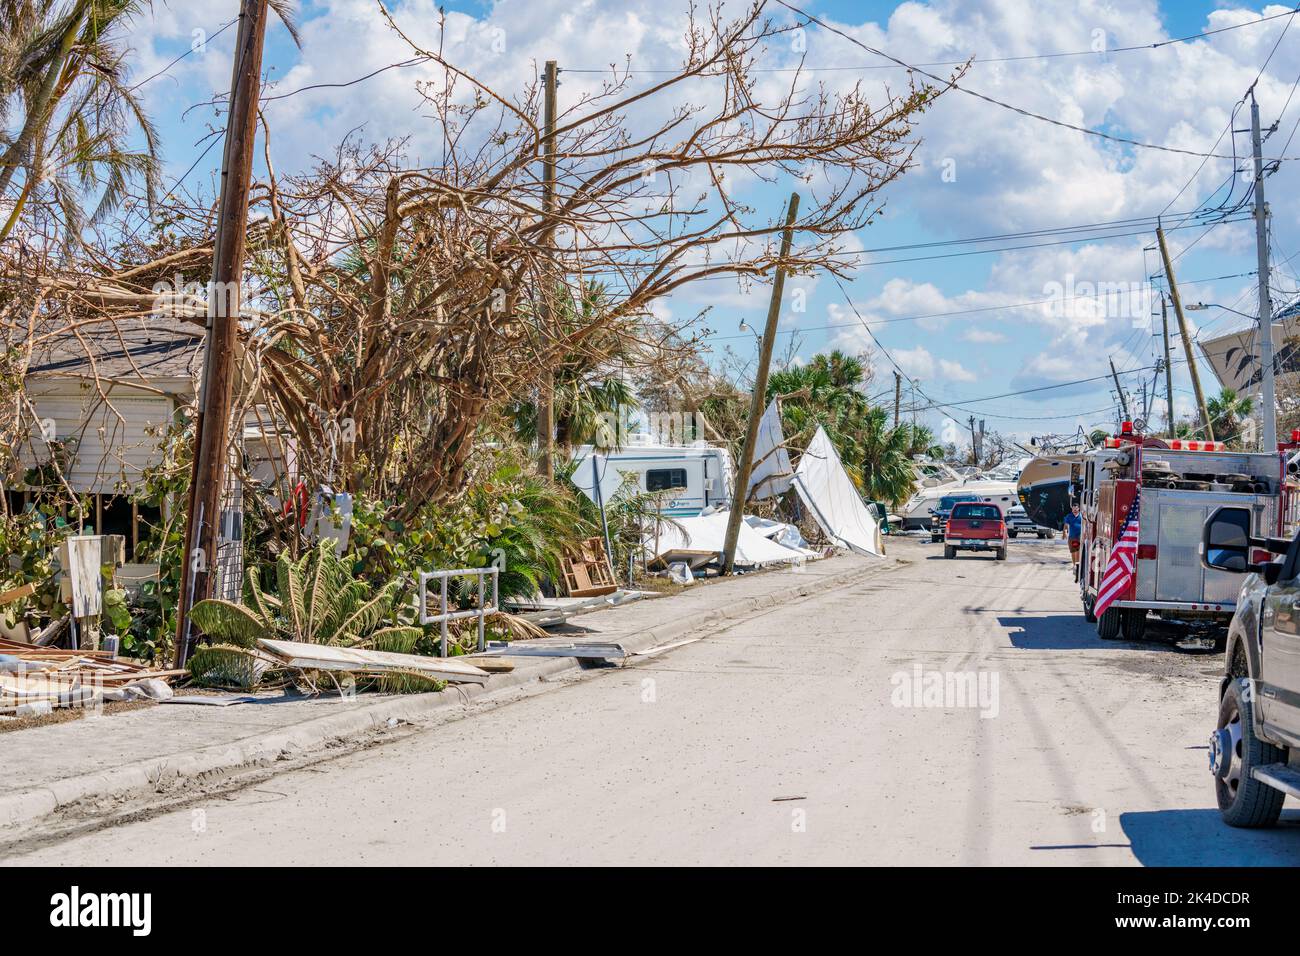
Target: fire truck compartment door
1173, 520
1178, 565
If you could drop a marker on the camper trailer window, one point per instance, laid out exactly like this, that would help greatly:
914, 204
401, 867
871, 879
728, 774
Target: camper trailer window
664, 479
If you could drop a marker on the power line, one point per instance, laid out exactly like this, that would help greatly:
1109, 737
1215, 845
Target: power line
972, 58
987, 308
952, 84
1032, 245
150, 79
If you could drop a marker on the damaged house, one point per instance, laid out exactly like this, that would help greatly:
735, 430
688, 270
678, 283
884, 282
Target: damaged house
99, 400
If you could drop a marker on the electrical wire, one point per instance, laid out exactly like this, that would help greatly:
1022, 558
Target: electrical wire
952, 84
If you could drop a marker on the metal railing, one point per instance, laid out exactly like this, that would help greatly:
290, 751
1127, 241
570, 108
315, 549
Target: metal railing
481, 612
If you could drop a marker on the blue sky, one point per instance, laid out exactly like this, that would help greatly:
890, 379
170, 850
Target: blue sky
981, 170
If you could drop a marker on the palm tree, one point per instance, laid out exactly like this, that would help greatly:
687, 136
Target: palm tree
1228, 412
64, 68
586, 396
828, 392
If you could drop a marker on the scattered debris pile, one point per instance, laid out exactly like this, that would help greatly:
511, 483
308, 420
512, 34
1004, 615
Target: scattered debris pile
38, 679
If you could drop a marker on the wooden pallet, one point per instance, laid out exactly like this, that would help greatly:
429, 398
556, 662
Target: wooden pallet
587, 573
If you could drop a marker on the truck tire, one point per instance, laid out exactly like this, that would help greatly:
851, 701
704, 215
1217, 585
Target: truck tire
1012, 534
1088, 616
1000, 554
1234, 752
1133, 623
1108, 624
1051, 535
949, 551
1042, 535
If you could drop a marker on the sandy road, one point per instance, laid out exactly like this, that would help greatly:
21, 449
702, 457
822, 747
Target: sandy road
787, 738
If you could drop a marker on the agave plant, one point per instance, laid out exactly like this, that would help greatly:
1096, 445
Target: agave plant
317, 601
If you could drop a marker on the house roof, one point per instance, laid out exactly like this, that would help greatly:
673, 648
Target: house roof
136, 349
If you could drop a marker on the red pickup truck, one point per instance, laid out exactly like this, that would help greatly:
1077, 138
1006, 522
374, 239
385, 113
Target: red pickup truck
976, 526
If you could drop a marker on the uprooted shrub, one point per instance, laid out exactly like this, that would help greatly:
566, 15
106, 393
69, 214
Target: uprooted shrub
316, 601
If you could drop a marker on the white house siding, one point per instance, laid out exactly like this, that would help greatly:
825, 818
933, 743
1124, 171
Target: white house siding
114, 445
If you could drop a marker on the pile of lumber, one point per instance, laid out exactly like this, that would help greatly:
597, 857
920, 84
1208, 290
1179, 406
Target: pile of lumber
64, 677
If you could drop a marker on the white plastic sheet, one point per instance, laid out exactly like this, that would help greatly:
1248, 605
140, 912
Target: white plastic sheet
772, 471
708, 533
829, 493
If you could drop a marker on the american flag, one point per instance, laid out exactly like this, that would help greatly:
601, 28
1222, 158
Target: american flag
1123, 560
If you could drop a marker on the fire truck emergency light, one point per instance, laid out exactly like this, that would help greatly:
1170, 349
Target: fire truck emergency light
1180, 444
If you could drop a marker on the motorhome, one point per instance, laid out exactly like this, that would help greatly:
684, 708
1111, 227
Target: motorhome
695, 476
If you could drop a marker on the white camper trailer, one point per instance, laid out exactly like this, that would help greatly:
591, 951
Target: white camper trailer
698, 476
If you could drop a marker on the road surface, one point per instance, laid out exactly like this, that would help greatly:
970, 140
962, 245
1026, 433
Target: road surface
793, 737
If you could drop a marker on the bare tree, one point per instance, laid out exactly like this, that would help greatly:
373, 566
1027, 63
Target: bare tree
404, 303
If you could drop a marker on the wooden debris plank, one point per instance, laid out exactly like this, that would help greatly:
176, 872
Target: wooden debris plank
328, 657
17, 594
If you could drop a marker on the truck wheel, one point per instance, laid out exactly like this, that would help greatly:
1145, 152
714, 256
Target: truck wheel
1042, 535
1234, 752
1051, 535
1108, 624
949, 551
1001, 554
1088, 616
1133, 622
1012, 534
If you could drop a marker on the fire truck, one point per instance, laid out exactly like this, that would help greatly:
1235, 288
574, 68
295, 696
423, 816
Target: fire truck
1179, 483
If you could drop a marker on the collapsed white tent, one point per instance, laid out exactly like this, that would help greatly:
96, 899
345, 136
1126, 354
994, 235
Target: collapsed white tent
829, 493
697, 541
770, 477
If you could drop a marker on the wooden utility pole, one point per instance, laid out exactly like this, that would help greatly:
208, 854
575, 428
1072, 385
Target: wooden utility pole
1169, 372
1182, 330
737, 512
1267, 395
1123, 402
546, 384
898, 394
212, 424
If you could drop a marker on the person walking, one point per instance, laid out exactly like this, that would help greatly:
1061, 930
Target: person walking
1072, 526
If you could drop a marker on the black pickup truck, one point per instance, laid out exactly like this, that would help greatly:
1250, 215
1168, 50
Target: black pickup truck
939, 515
1255, 747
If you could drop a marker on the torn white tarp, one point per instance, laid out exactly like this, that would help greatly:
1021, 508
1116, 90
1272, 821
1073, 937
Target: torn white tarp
830, 495
778, 531
772, 471
701, 540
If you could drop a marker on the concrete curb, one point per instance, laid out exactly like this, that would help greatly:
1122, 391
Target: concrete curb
364, 718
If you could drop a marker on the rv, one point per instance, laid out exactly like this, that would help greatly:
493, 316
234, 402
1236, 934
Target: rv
696, 476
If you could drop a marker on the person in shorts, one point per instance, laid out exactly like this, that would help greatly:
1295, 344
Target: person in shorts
1073, 529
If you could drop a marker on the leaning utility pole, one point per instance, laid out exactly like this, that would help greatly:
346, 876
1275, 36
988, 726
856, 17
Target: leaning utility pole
898, 394
1182, 330
1169, 372
1268, 438
546, 386
974, 442
741, 493
212, 423
1123, 402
